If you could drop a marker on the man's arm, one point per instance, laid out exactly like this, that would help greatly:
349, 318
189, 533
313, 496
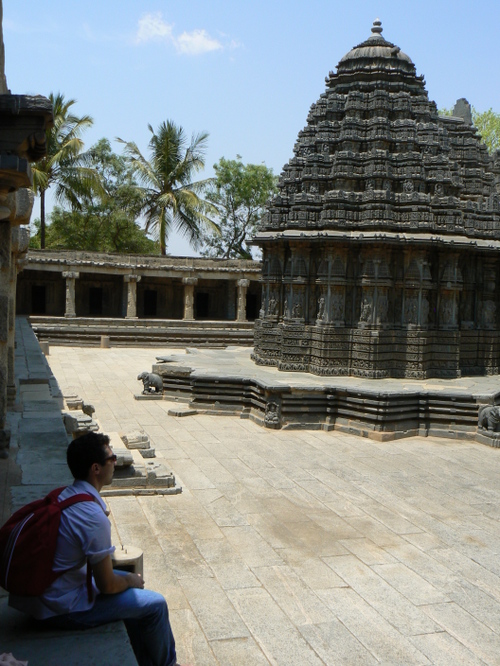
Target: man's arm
110, 583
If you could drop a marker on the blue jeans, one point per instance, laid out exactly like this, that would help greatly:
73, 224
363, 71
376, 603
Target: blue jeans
145, 614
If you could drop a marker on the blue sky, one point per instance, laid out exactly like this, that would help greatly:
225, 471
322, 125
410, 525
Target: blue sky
246, 72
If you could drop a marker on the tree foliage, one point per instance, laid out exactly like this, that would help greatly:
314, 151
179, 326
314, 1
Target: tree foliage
66, 165
487, 124
105, 221
239, 192
170, 199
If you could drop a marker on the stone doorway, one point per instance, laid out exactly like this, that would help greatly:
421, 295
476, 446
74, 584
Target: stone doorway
252, 306
150, 302
95, 301
201, 305
38, 299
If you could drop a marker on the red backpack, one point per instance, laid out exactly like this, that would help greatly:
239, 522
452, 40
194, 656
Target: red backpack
28, 543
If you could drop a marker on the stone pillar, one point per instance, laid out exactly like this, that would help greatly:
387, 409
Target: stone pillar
131, 282
24, 120
19, 246
70, 277
489, 313
189, 284
242, 299
451, 284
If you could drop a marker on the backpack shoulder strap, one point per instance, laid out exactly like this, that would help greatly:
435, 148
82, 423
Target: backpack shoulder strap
74, 499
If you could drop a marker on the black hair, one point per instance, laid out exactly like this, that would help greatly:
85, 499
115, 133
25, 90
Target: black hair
84, 451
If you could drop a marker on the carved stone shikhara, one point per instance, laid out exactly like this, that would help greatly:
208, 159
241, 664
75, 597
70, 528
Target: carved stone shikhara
381, 249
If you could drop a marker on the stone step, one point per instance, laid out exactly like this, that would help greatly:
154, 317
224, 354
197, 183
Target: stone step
142, 332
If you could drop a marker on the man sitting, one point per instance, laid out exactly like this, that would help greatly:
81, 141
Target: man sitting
72, 601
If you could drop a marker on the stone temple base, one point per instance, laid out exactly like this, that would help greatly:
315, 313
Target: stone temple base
228, 382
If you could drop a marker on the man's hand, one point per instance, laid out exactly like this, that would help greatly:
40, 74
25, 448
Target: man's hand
108, 582
135, 580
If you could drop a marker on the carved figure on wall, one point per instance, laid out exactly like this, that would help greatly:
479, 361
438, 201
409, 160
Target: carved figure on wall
439, 190
337, 306
366, 309
411, 310
152, 383
489, 418
321, 308
297, 311
272, 415
272, 306
408, 186
448, 312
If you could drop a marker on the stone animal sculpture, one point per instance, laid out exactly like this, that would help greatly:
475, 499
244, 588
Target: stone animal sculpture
152, 383
489, 417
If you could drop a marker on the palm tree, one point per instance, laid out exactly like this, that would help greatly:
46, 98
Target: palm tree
65, 165
170, 198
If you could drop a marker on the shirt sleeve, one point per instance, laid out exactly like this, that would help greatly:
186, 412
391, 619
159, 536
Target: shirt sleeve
94, 534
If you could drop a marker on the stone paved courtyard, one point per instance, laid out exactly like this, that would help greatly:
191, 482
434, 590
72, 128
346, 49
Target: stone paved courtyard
306, 547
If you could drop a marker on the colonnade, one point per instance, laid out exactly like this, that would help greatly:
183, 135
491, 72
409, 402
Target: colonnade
132, 279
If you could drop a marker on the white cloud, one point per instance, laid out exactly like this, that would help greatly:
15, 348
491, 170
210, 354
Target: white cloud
196, 42
152, 27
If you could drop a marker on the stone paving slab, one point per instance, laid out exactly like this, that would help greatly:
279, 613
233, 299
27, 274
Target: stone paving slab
306, 547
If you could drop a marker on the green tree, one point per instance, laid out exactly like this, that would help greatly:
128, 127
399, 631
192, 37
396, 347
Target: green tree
239, 192
170, 199
66, 165
106, 220
487, 124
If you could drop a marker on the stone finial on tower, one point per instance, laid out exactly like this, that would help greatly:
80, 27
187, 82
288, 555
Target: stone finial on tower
377, 27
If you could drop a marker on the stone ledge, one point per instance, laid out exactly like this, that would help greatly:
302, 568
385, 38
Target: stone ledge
108, 644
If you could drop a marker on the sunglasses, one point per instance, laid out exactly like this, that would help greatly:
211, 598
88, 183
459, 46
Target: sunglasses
113, 458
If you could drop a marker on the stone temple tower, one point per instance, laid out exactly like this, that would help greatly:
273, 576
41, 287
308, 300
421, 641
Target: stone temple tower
381, 251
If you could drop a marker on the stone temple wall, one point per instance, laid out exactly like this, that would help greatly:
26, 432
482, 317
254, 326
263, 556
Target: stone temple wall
381, 249
379, 310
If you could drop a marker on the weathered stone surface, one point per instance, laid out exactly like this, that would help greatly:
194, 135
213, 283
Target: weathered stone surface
72, 400
77, 421
136, 440
123, 457
148, 453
